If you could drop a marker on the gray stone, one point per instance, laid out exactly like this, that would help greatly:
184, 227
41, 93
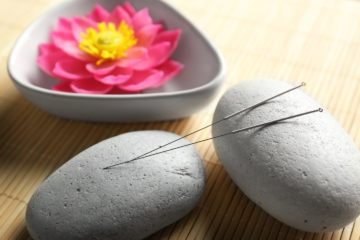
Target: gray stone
305, 172
80, 200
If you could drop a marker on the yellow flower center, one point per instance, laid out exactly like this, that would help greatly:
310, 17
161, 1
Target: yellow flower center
107, 42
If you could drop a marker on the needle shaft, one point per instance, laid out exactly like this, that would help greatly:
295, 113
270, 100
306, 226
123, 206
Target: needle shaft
219, 121
221, 135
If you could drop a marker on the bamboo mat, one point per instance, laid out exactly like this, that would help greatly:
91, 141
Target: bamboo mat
316, 41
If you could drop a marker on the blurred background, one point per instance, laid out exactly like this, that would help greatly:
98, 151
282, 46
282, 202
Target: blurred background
312, 41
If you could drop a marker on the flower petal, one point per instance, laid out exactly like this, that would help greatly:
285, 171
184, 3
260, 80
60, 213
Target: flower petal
67, 43
63, 25
171, 36
99, 14
147, 34
90, 86
47, 63
58, 36
133, 56
63, 87
141, 19
142, 80
71, 70
116, 90
118, 76
48, 48
48, 57
103, 69
170, 69
120, 14
129, 8
79, 25
157, 54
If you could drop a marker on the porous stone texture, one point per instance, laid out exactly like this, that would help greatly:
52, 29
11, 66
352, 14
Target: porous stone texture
305, 172
80, 200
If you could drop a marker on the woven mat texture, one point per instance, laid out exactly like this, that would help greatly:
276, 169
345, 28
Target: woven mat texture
315, 41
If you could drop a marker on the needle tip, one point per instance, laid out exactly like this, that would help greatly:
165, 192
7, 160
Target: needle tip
303, 83
321, 110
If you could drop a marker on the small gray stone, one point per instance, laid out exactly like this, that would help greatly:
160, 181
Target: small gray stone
80, 200
304, 172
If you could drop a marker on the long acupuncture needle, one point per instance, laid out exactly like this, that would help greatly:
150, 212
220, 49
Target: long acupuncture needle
221, 135
221, 120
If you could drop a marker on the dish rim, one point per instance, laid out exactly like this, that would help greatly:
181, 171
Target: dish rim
44, 91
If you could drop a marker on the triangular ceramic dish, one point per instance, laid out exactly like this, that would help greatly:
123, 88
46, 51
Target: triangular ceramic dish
182, 96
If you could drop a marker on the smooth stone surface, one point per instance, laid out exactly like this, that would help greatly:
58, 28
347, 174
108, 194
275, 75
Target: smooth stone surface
80, 200
305, 172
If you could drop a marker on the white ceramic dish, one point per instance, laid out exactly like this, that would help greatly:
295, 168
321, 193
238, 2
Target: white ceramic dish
182, 96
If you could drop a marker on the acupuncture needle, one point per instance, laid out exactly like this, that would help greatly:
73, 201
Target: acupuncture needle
221, 120
221, 135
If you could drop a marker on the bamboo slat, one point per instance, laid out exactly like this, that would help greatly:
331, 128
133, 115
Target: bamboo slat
315, 41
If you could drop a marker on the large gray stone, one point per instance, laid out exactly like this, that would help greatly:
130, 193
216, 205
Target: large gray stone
80, 200
304, 172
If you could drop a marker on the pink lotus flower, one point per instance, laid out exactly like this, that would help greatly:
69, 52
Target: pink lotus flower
119, 52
